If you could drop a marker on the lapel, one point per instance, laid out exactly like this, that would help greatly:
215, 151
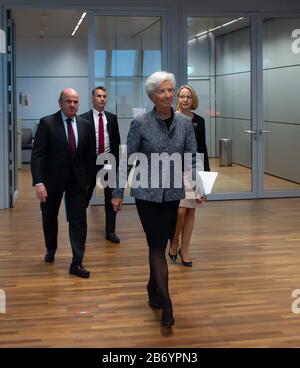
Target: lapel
79, 131
61, 129
91, 119
109, 130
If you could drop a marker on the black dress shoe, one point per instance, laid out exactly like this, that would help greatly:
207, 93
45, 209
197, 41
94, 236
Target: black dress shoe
186, 264
154, 297
112, 237
49, 258
172, 257
80, 271
167, 319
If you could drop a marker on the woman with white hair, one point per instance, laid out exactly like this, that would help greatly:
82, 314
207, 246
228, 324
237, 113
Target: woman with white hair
161, 132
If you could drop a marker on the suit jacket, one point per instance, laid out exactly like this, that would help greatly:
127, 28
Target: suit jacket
149, 135
113, 131
199, 127
52, 161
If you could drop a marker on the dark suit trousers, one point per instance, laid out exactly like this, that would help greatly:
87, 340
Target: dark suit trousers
110, 214
75, 200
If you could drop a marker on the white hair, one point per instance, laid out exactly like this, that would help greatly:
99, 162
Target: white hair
156, 79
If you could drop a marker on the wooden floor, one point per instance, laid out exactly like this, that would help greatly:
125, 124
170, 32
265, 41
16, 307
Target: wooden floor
246, 263
237, 178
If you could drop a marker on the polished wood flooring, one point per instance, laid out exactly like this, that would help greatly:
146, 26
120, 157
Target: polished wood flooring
237, 178
246, 263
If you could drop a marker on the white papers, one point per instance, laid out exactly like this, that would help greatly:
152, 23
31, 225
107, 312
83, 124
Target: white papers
208, 179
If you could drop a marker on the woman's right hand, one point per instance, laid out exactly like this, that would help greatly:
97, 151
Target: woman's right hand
117, 204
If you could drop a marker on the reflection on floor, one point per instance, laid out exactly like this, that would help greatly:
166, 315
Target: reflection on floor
237, 178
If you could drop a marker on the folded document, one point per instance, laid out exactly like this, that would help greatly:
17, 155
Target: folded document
208, 179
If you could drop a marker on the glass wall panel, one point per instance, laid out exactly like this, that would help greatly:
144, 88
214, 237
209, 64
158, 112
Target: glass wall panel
219, 69
281, 84
127, 51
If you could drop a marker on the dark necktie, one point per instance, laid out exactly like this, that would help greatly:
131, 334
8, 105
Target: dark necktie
71, 136
100, 134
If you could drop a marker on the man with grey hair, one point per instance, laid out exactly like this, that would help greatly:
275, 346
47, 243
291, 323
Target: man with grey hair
62, 163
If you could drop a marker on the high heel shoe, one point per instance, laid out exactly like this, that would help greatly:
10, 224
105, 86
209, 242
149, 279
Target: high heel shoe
167, 319
186, 264
154, 300
172, 257
168, 323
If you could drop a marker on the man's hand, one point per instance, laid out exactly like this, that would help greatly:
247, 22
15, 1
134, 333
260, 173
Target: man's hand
117, 204
41, 192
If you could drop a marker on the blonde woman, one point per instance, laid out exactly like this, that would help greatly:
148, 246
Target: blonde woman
187, 101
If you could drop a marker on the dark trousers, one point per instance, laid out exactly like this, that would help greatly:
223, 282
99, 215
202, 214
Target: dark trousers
110, 214
75, 201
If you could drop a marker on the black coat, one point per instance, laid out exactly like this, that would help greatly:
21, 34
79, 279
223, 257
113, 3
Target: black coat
52, 161
113, 131
199, 127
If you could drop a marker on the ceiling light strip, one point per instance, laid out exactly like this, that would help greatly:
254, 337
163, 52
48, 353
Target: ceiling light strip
78, 24
213, 29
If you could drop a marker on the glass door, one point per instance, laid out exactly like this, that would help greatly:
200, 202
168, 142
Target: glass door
279, 133
247, 76
126, 50
219, 69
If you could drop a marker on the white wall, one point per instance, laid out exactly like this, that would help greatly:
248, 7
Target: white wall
45, 67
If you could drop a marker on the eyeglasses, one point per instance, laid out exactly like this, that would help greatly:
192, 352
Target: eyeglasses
187, 97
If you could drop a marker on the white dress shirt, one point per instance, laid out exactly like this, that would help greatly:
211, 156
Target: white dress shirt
74, 126
106, 136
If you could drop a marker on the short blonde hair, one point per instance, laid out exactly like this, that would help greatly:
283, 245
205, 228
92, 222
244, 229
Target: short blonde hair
195, 101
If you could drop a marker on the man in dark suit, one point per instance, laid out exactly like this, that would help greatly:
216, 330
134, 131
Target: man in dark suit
107, 138
63, 157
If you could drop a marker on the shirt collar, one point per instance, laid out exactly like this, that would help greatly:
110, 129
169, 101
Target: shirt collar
64, 117
96, 112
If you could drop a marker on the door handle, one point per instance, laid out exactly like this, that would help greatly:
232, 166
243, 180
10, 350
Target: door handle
251, 131
263, 131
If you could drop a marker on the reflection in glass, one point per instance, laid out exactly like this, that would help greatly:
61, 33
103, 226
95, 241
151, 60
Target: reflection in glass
127, 51
123, 63
151, 62
218, 68
100, 63
281, 81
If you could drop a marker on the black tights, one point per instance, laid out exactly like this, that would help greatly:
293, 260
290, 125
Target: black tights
159, 222
159, 277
